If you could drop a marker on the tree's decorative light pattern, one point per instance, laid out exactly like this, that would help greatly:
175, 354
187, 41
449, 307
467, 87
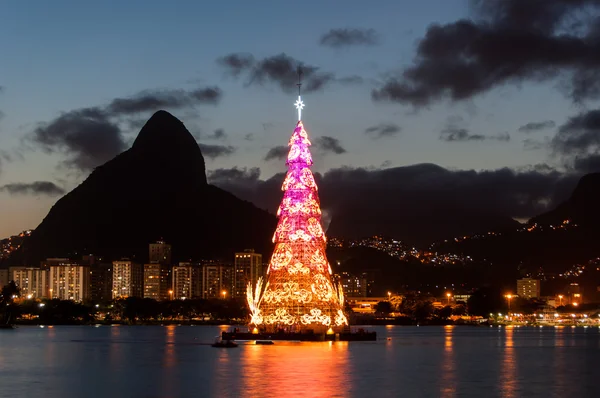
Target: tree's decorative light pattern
298, 293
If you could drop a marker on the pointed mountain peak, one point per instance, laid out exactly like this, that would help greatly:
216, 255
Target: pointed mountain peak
164, 138
163, 129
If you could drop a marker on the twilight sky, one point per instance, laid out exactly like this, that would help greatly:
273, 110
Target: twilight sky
503, 96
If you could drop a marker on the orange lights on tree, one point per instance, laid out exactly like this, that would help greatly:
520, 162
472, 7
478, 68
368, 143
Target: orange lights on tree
298, 291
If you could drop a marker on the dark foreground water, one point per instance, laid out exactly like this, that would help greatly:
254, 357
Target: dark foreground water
154, 361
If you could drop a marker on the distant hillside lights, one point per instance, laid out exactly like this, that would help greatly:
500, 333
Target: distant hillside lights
397, 249
9, 245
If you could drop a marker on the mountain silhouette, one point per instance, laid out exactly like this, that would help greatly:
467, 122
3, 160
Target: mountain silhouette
582, 208
415, 216
550, 246
157, 189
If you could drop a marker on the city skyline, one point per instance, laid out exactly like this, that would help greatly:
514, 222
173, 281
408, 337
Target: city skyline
511, 127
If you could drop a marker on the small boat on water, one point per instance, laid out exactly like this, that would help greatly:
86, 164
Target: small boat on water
224, 343
264, 342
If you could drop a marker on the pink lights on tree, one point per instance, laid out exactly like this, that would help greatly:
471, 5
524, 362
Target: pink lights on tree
298, 292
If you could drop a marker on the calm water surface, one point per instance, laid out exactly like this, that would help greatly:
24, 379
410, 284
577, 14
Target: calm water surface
155, 361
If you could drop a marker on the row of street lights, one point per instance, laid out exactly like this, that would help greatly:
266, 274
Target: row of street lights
224, 293
448, 295
560, 298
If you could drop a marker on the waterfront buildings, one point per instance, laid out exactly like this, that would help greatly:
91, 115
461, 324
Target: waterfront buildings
461, 298
69, 281
575, 294
101, 282
365, 305
160, 252
185, 282
353, 286
33, 282
247, 268
217, 280
4, 277
49, 262
127, 279
157, 282
528, 288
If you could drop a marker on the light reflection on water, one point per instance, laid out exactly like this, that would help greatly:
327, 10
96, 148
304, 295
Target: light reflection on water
172, 361
448, 372
508, 370
293, 369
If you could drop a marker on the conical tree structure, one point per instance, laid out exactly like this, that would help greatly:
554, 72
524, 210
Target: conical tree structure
298, 293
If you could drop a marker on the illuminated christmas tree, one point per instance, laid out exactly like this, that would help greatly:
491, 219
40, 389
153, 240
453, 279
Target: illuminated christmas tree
298, 292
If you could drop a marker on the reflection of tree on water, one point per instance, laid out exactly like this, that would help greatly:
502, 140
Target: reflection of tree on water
294, 369
169, 358
508, 368
448, 365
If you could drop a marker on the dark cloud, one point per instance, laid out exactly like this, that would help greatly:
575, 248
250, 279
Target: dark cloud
338, 38
327, 144
207, 95
578, 141
587, 164
16, 154
459, 134
511, 41
242, 175
508, 192
249, 137
451, 134
136, 123
537, 126
532, 144
455, 131
281, 70
350, 80
5, 155
246, 184
383, 130
218, 134
87, 136
279, 152
579, 135
235, 64
34, 188
216, 151
505, 137
154, 100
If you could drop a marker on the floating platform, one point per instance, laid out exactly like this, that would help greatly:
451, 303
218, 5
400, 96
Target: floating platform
290, 336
